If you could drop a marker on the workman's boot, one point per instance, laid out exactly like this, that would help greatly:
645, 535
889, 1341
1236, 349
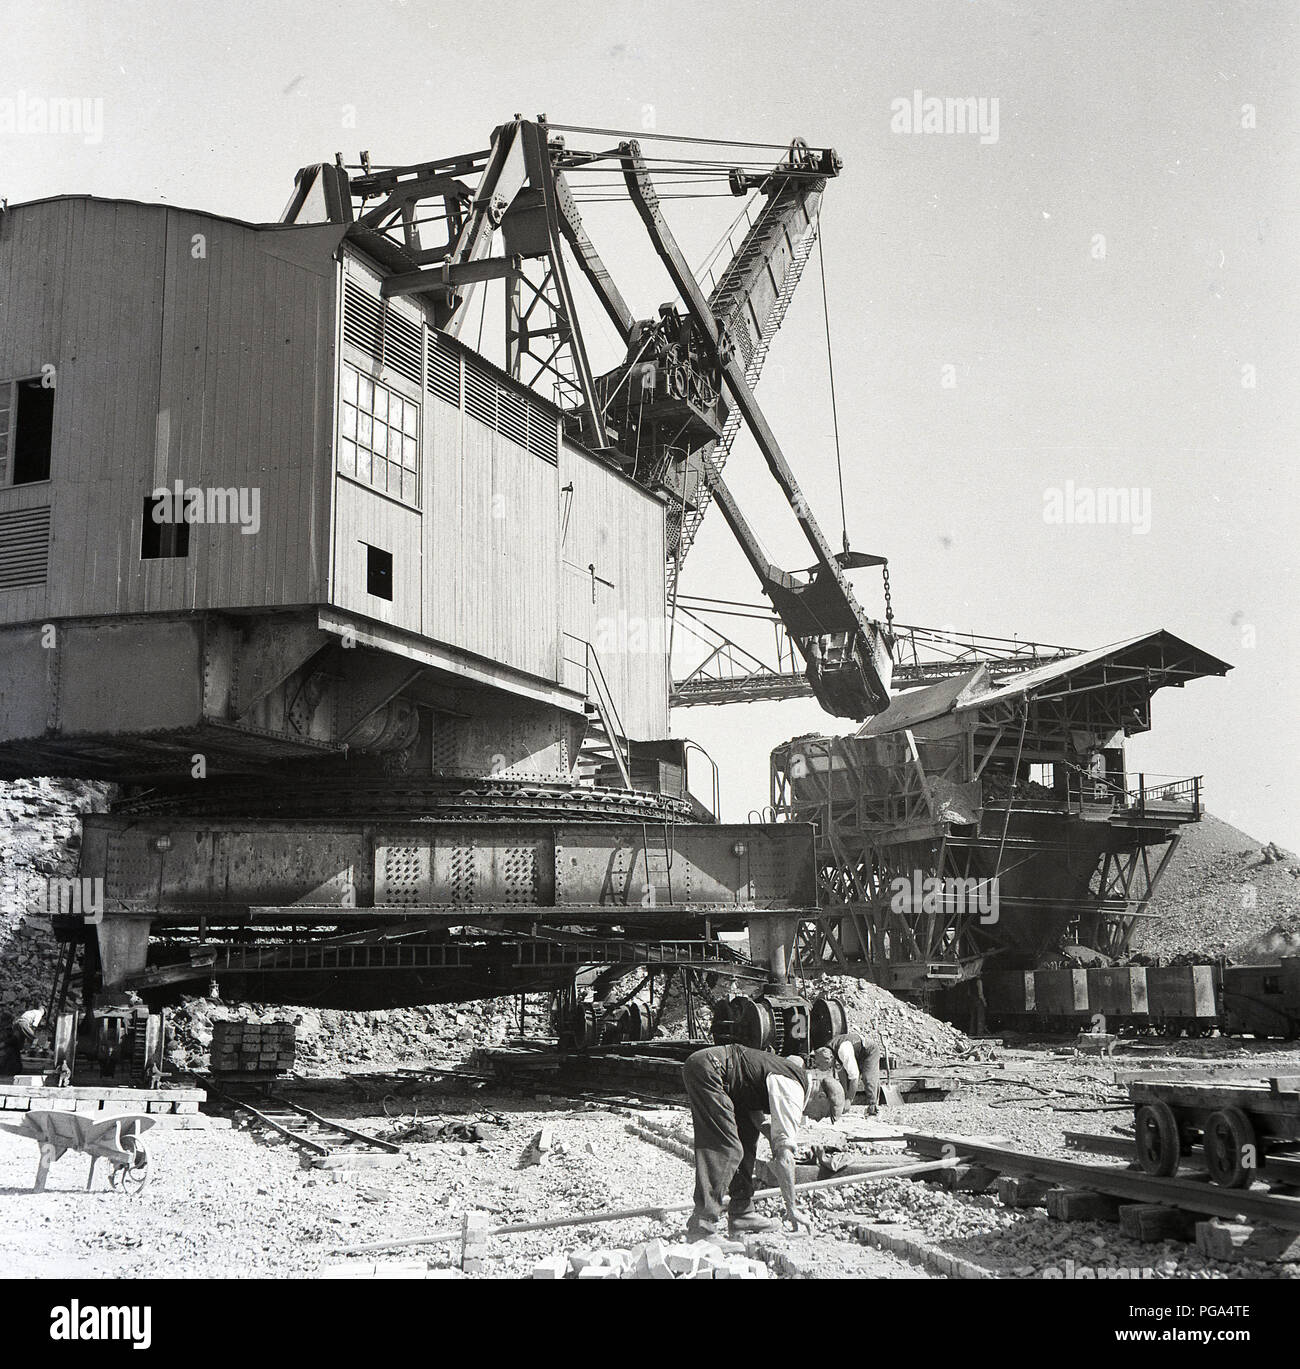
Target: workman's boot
749, 1223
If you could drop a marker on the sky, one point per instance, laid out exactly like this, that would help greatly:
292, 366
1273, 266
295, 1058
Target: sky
1100, 291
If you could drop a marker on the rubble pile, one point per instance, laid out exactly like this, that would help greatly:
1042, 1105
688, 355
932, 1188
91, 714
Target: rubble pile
1223, 894
327, 1037
40, 838
655, 1260
910, 1032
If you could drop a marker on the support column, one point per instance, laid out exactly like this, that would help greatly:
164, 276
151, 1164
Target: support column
123, 947
771, 943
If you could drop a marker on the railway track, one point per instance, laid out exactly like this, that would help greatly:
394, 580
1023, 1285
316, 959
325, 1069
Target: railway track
314, 1135
1189, 1195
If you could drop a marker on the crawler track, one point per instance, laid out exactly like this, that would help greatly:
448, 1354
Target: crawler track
452, 801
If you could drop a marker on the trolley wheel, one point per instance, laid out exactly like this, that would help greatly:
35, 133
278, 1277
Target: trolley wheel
131, 1177
1230, 1148
1158, 1143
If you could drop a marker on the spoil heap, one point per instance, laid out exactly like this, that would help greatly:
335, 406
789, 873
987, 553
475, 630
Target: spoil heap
1224, 894
40, 838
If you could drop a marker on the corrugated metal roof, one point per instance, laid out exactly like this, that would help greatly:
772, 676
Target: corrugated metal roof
1169, 659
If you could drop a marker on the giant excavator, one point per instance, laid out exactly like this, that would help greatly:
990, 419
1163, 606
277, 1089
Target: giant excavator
670, 411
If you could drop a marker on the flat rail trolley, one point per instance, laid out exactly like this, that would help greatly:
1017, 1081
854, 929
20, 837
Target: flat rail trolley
1238, 1125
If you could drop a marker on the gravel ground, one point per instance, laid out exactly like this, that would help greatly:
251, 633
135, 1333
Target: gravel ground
236, 1204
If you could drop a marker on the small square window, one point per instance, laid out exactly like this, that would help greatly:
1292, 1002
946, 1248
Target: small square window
379, 573
349, 385
26, 431
365, 392
162, 536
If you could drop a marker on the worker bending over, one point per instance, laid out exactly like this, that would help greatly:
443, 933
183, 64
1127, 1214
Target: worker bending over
855, 1060
16, 1036
730, 1089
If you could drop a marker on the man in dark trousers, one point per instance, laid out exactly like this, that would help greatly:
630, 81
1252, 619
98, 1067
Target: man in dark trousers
730, 1089
16, 1036
855, 1060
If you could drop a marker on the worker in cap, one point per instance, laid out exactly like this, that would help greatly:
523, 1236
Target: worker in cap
731, 1089
854, 1059
16, 1036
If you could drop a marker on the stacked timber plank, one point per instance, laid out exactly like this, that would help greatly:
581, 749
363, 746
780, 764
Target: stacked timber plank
253, 1048
94, 1099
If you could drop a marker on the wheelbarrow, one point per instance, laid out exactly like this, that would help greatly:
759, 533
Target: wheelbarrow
116, 1139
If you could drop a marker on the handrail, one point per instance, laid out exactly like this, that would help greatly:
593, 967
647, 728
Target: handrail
717, 793
609, 717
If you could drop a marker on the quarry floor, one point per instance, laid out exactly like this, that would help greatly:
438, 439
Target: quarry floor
237, 1203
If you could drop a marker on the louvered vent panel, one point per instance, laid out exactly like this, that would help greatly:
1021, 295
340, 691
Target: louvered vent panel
543, 434
24, 548
444, 370
513, 417
401, 344
480, 395
363, 321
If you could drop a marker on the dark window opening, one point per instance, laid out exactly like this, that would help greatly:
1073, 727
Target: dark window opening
1272, 983
379, 573
33, 432
161, 536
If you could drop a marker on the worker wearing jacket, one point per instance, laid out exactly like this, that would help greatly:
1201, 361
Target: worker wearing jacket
730, 1089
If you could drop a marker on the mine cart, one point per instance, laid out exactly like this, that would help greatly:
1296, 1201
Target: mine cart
1239, 1125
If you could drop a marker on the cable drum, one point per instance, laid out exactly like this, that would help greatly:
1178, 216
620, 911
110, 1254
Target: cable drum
828, 1020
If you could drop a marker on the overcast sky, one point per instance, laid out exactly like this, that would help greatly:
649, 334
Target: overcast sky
1108, 285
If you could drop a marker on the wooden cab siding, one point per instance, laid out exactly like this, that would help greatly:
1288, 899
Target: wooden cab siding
194, 348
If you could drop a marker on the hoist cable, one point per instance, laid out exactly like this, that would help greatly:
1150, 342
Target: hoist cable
835, 418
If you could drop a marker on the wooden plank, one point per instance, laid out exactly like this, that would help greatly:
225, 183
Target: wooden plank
124, 1095
1122, 1182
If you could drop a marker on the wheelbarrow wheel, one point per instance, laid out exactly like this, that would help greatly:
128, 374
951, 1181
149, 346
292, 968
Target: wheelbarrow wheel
131, 1178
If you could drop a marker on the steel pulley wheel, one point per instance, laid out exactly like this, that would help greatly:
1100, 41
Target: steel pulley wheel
1230, 1148
1158, 1145
828, 1020
131, 1177
753, 1023
638, 1022
586, 1029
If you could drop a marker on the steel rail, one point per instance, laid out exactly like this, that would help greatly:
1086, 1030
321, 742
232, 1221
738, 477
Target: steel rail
1186, 1194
